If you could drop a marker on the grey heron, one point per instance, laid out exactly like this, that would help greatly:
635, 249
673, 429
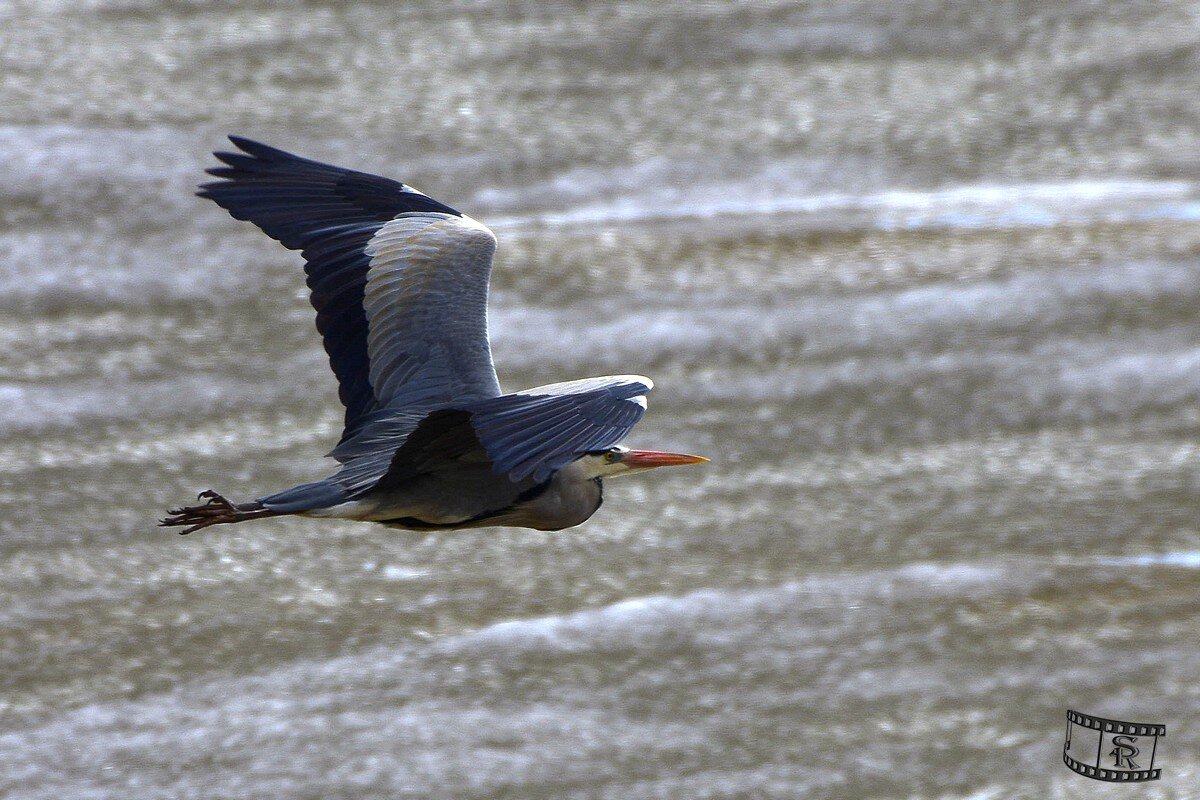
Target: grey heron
399, 282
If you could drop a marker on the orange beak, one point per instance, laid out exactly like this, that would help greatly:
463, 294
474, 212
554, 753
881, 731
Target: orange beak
643, 459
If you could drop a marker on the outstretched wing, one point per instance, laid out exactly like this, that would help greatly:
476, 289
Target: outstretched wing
537, 431
398, 280
525, 434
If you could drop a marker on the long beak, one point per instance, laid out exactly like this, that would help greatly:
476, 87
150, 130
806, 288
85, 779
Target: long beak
644, 459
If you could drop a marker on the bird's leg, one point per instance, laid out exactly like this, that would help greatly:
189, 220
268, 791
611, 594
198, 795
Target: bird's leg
215, 511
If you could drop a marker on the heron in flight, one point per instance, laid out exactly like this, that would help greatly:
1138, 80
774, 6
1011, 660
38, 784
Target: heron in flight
400, 283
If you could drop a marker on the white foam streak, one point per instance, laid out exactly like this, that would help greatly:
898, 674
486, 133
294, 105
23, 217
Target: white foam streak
636, 622
970, 206
1187, 559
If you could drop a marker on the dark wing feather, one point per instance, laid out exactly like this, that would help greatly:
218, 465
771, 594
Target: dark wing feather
527, 434
441, 439
294, 199
329, 214
535, 432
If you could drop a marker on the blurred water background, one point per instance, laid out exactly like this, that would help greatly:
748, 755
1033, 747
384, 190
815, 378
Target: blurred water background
922, 277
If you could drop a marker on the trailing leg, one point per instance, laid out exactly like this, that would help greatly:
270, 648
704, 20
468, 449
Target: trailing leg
215, 511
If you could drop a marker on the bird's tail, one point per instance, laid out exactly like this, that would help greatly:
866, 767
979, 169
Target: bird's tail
216, 510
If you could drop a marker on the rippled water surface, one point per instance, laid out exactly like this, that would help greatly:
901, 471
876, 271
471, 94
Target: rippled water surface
923, 278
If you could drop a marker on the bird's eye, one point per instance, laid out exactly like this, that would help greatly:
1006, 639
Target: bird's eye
611, 456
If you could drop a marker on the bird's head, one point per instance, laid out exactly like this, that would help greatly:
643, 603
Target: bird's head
620, 460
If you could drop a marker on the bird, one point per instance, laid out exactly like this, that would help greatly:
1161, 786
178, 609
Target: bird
399, 282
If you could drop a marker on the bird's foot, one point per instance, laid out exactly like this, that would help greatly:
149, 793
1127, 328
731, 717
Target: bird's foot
215, 500
215, 510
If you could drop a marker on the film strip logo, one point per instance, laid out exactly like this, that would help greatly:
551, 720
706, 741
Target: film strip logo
1111, 750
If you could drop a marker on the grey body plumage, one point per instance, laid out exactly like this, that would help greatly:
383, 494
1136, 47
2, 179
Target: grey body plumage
473, 496
399, 282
